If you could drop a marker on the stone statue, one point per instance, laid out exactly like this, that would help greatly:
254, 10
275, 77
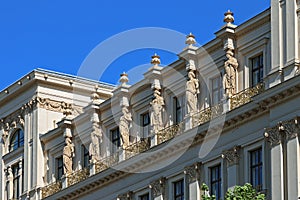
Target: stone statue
96, 139
156, 112
68, 154
192, 89
229, 79
124, 126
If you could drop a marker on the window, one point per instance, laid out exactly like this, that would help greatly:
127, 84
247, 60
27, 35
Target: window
59, 167
178, 190
85, 157
215, 181
16, 181
256, 168
257, 64
178, 109
217, 90
115, 139
144, 197
145, 122
17, 140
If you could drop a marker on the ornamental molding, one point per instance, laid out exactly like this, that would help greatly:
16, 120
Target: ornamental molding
232, 156
158, 187
273, 136
192, 172
53, 105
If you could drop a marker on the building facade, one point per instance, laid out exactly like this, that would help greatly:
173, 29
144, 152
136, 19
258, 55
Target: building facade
224, 114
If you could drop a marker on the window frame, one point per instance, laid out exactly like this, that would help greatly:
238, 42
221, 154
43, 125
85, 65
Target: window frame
85, 154
178, 111
218, 89
59, 167
143, 196
218, 180
19, 140
115, 141
254, 166
259, 68
181, 194
145, 127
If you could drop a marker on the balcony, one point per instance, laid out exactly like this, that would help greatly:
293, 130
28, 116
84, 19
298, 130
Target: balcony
162, 136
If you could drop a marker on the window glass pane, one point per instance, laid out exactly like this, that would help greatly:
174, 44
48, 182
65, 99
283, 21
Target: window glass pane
178, 190
257, 69
215, 180
256, 168
144, 197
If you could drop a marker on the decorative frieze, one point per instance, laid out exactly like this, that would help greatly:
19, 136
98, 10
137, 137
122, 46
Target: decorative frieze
13, 121
158, 187
52, 105
232, 156
192, 172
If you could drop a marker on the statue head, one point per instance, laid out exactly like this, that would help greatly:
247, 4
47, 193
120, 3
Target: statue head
191, 75
229, 53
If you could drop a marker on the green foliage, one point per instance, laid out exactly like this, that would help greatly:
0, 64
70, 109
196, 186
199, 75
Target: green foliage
205, 195
246, 192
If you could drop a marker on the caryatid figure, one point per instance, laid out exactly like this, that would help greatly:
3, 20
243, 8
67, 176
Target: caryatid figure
156, 118
68, 154
124, 126
96, 140
192, 90
229, 79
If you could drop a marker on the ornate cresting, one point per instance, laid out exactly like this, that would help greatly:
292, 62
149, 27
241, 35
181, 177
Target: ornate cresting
207, 114
51, 189
78, 176
170, 132
245, 96
137, 148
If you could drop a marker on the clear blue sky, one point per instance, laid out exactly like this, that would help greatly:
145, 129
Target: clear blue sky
59, 34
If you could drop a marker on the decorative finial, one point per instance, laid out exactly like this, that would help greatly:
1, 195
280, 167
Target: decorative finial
123, 78
228, 17
155, 59
190, 39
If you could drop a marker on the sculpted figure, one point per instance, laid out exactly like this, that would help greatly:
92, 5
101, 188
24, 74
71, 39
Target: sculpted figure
96, 139
124, 126
192, 89
68, 154
229, 79
156, 119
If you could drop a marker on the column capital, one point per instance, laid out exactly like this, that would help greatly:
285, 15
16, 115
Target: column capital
193, 172
126, 196
232, 155
158, 187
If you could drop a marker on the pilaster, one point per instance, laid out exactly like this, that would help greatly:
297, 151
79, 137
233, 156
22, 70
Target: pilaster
192, 177
231, 158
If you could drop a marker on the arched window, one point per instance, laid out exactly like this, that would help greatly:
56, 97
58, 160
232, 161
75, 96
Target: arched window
17, 140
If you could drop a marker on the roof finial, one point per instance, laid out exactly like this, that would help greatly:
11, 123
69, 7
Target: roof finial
155, 60
123, 78
228, 17
190, 40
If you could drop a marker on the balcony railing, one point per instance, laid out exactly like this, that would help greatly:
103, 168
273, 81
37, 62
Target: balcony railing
245, 96
207, 114
51, 189
170, 132
78, 176
107, 162
137, 148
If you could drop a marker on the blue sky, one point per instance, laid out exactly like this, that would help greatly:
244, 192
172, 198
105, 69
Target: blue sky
59, 35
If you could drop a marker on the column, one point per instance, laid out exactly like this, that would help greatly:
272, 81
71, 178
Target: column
158, 189
274, 138
2, 174
192, 174
231, 158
